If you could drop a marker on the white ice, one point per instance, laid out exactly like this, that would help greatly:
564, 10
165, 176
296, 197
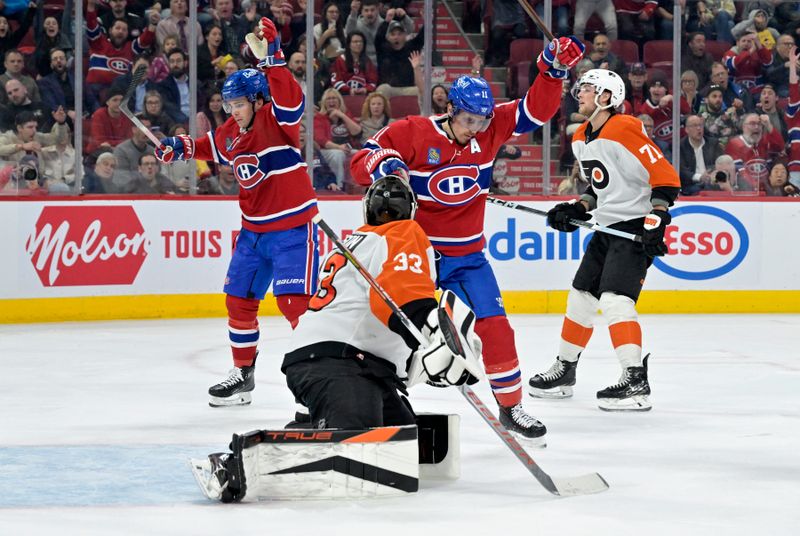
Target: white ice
98, 420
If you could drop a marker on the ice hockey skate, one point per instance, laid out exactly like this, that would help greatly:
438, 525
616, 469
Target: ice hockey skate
235, 389
523, 425
557, 382
630, 393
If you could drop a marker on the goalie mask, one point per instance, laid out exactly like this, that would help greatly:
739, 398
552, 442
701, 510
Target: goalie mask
389, 198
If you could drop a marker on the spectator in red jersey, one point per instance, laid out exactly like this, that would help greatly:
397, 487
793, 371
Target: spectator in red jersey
746, 62
334, 130
636, 88
159, 66
753, 151
112, 55
659, 107
635, 19
695, 58
353, 73
793, 118
109, 127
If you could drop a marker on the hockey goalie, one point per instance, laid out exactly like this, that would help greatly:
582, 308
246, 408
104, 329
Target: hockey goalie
351, 363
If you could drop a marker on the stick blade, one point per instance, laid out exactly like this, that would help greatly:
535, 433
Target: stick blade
579, 485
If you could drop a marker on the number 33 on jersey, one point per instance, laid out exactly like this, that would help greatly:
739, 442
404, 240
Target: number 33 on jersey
400, 257
622, 166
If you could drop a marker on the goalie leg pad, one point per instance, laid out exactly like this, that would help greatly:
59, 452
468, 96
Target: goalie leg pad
439, 446
316, 464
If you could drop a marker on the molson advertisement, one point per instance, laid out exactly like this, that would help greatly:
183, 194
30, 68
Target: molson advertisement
130, 247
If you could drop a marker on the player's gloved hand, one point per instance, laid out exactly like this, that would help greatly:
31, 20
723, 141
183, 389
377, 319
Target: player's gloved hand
560, 56
558, 217
267, 48
442, 366
176, 148
386, 162
655, 225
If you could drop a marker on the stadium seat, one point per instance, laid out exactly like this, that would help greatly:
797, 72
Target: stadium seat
657, 53
353, 104
717, 49
404, 105
524, 50
628, 51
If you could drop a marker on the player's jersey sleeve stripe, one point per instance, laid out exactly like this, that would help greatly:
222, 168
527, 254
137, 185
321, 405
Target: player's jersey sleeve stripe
288, 116
218, 158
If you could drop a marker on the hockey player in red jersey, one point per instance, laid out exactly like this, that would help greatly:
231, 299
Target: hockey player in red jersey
631, 186
448, 160
278, 241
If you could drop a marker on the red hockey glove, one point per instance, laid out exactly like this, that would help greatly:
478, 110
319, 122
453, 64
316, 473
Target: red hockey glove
560, 56
274, 54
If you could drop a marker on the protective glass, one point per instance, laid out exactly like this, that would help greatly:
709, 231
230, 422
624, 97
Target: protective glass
472, 122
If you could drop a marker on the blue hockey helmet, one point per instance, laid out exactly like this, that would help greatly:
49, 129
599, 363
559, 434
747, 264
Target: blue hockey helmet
248, 83
471, 95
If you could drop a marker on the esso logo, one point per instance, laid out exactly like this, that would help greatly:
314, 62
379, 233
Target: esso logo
704, 243
87, 245
119, 65
247, 172
455, 185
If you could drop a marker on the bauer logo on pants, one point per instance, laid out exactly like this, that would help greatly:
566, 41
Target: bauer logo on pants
704, 243
87, 245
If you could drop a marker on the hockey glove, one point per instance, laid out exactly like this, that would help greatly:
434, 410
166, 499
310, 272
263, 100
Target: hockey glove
267, 48
558, 217
560, 56
177, 148
655, 225
386, 162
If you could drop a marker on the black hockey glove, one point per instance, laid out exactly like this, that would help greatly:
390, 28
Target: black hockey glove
558, 217
655, 225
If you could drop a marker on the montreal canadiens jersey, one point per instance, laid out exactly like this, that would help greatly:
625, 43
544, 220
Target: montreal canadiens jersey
622, 165
347, 311
452, 181
275, 191
793, 124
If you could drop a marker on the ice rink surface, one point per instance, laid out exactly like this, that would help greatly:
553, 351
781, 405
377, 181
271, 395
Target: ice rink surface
99, 419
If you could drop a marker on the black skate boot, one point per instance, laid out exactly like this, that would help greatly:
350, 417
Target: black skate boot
630, 393
235, 389
517, 420
557, 382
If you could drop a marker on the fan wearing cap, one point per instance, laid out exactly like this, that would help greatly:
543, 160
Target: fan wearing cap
658, 105
631, 186
448, 160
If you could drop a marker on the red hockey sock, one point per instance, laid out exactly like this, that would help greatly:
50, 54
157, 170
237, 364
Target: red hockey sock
242, 329
293, 306
500, 359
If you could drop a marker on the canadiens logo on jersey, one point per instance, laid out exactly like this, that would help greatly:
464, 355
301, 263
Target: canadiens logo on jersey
663, 131
454, 185
434, 155
245, 167
757, 169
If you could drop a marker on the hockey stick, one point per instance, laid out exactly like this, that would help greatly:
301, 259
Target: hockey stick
537, 20
579, 223
137, 76
580, 485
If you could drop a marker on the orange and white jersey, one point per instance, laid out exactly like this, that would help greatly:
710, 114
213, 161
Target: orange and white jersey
346, 310
622, 165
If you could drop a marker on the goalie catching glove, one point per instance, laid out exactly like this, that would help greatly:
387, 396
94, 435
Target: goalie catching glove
266, 48
453, 351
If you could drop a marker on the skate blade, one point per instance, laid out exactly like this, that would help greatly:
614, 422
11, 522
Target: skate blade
565, 391
205, 478
634, 403
530, 442
239, 399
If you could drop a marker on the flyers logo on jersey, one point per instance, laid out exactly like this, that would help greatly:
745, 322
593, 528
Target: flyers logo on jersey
454, 185
245, 167
596, 172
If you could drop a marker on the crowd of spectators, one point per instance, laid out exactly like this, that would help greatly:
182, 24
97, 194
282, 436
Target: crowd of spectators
739, 127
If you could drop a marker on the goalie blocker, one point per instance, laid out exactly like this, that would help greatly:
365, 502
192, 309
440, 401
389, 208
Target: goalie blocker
332, 463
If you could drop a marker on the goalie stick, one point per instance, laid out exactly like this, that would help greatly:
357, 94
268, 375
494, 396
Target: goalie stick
579, 485
137, 76
579, 223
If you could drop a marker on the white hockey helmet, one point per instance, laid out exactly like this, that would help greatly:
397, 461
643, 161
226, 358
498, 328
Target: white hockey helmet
603, 80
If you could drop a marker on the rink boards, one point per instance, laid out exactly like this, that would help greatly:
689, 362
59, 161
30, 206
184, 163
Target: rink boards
122, 257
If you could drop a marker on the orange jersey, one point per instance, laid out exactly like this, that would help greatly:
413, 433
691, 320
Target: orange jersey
346, 309
622, 166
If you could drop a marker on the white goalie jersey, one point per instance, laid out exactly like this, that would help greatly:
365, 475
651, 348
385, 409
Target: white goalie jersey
400, 258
